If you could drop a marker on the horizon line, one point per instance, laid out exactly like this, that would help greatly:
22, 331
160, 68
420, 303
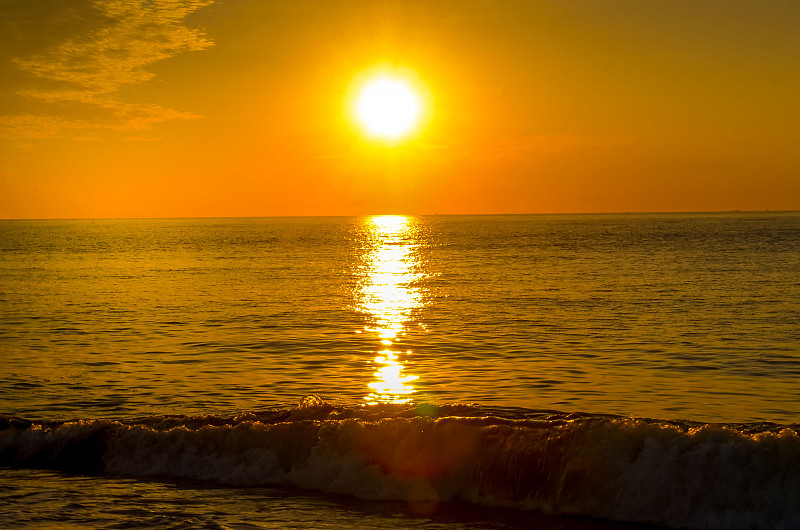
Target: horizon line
662, 212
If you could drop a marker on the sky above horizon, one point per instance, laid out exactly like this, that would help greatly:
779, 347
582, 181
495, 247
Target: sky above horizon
203, 108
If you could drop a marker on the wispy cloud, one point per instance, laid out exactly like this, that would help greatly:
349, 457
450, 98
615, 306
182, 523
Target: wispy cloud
32, 126
72, 57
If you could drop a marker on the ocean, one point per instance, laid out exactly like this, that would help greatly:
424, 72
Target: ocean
614, 371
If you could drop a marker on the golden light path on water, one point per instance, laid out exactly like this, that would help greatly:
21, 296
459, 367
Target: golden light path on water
388, 296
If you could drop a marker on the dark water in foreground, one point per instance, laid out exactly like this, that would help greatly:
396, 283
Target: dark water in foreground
180, 348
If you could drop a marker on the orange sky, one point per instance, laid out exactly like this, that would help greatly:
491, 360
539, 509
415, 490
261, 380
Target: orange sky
237, 107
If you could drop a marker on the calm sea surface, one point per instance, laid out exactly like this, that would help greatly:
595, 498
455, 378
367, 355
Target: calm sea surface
472, 323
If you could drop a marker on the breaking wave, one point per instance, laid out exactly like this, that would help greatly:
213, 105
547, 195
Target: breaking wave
672, 473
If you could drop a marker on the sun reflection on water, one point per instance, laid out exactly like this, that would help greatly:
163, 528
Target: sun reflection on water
388, 295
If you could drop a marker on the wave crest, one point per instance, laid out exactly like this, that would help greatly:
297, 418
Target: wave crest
677, 474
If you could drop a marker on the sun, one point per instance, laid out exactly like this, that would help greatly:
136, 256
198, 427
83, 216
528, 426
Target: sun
388, 107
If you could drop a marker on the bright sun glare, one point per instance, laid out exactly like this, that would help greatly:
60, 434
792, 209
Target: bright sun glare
388, 107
